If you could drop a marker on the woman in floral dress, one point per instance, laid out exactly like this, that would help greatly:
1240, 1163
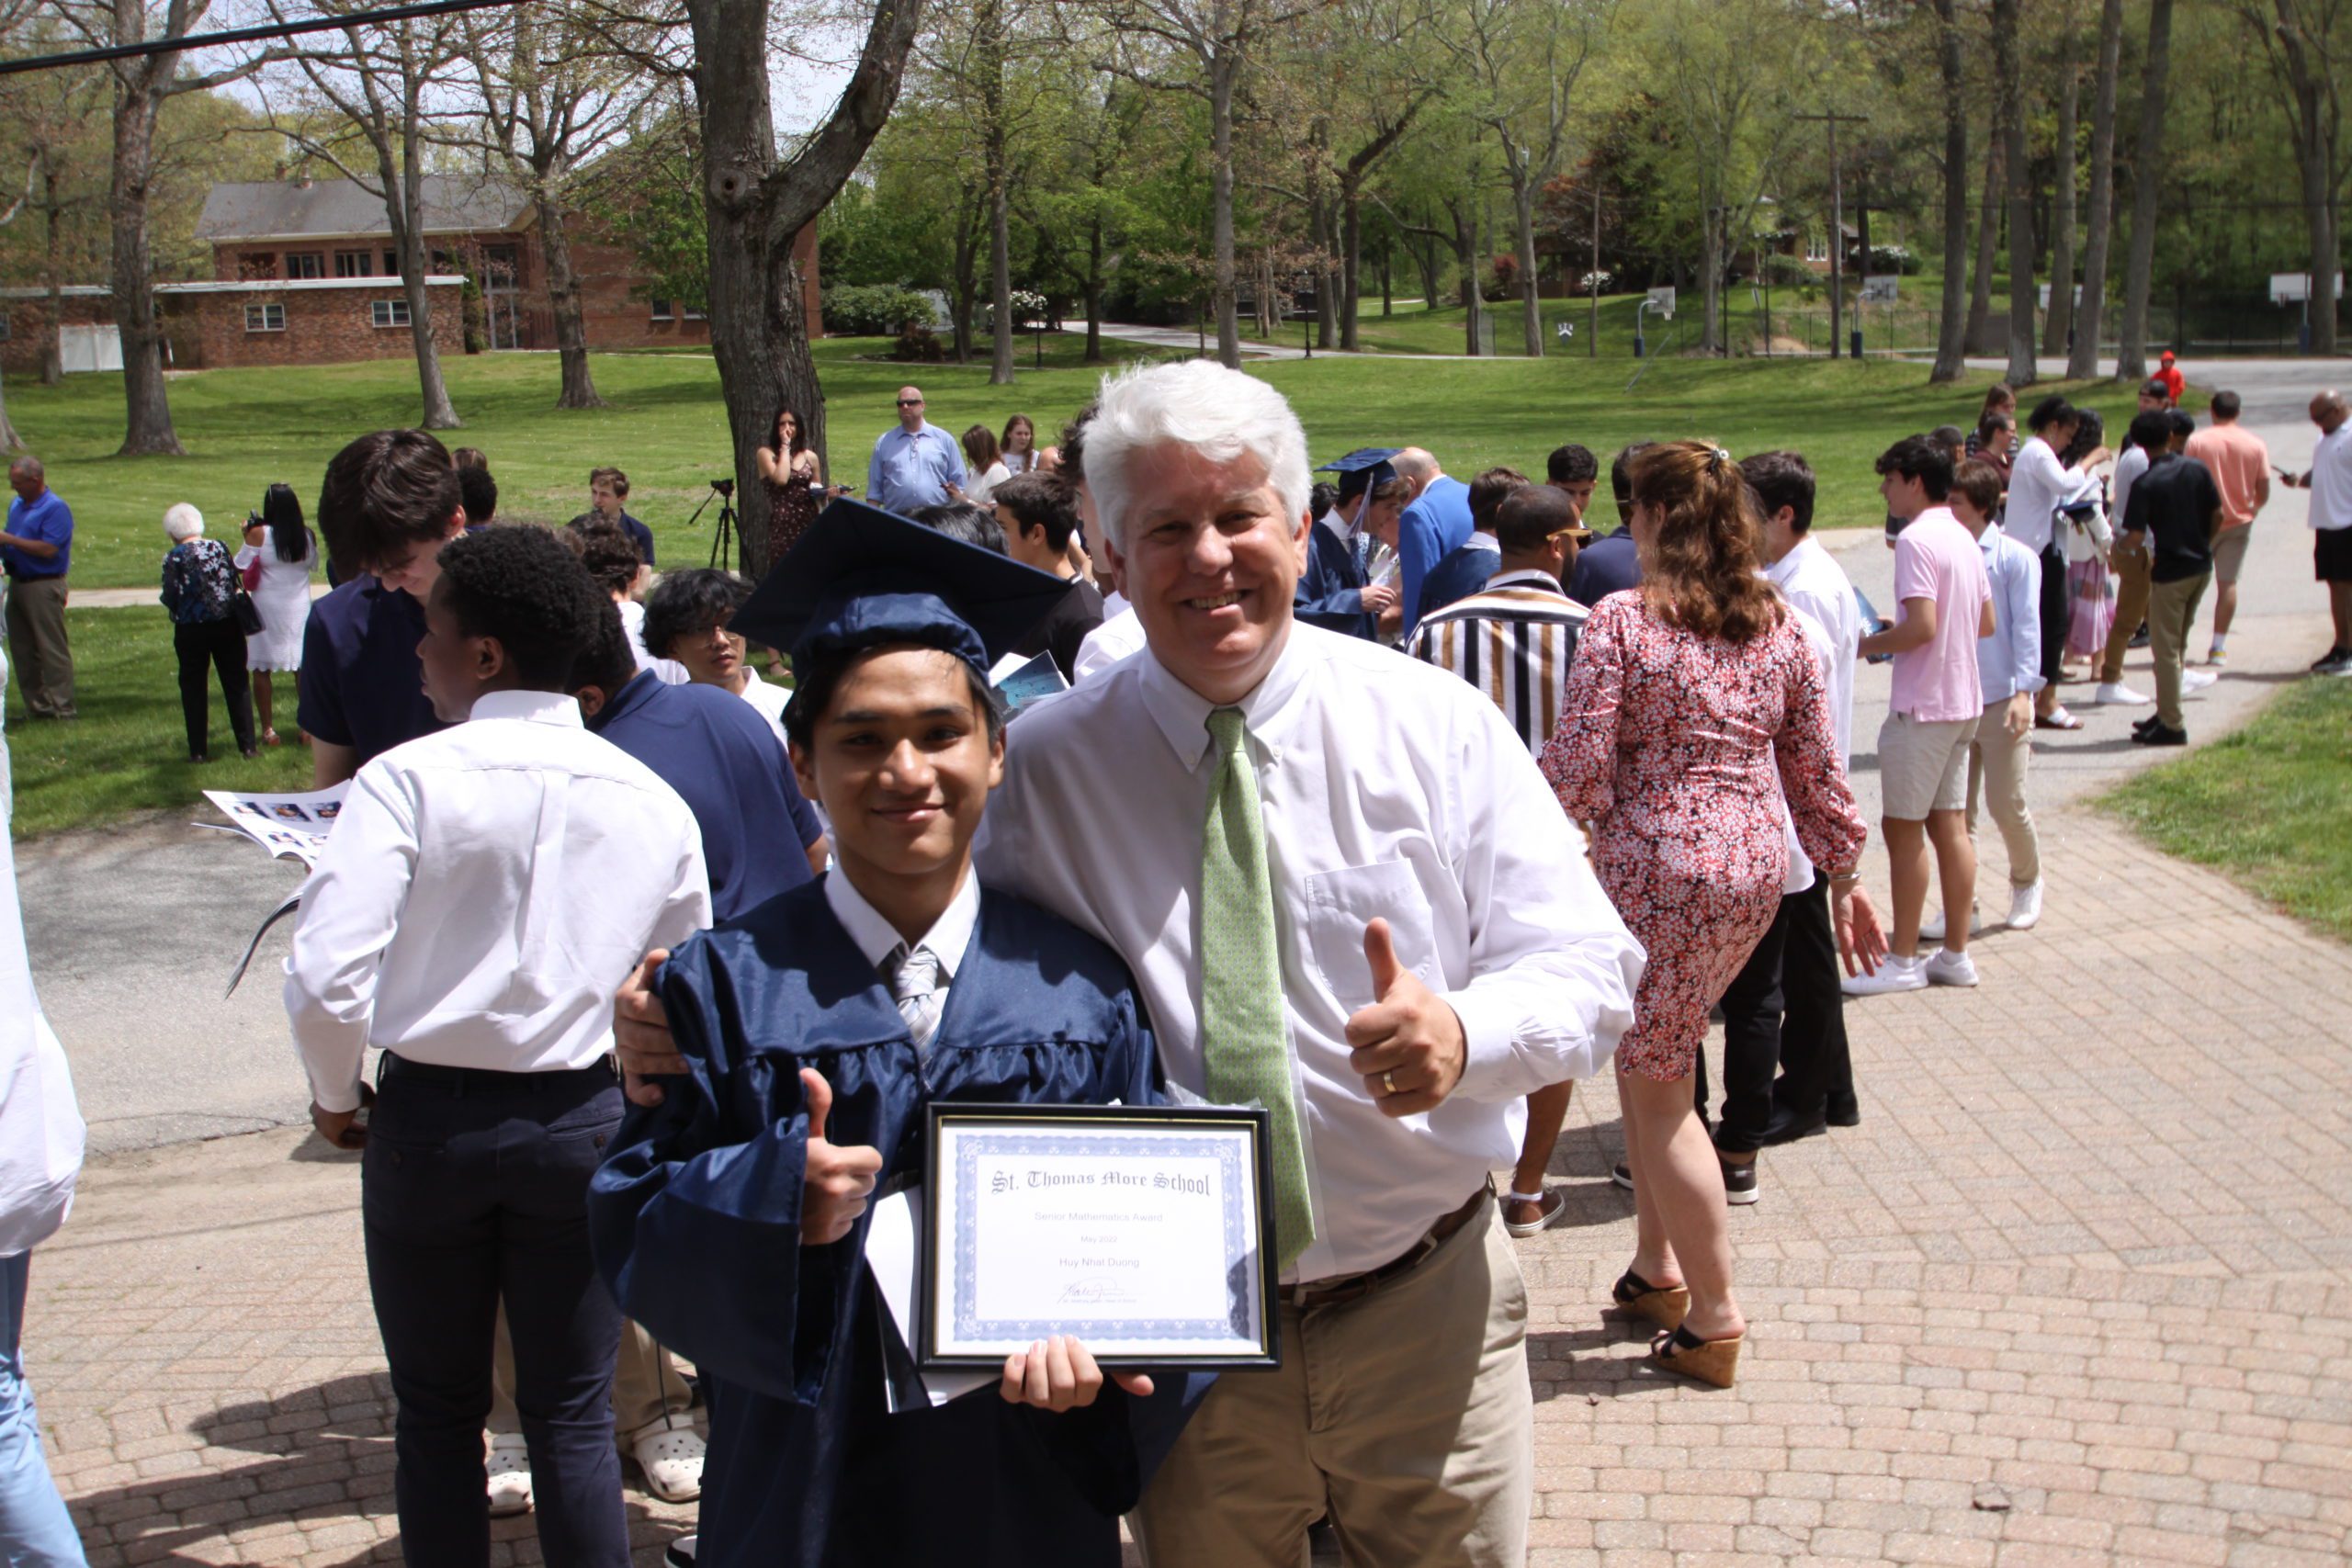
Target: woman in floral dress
1693, 707
788, 470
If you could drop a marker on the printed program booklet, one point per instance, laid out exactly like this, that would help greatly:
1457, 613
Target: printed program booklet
288, 826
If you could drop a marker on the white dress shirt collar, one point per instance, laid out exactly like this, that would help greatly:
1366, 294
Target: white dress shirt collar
1183, 713
877, 938
537, 707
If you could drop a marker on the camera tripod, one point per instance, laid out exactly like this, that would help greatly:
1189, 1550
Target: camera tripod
728, 538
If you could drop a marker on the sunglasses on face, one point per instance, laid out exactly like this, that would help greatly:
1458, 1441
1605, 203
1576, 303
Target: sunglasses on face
911, 403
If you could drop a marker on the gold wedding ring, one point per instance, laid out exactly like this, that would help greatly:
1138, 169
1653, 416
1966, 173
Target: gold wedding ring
1389, 1081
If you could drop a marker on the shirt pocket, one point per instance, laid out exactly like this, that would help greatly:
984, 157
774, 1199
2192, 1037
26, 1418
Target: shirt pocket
1340, 904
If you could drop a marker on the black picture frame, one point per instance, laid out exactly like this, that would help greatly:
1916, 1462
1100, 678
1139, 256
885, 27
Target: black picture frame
1265, 1275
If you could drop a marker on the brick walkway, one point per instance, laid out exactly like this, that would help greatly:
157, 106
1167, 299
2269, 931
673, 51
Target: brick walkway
2078, 1288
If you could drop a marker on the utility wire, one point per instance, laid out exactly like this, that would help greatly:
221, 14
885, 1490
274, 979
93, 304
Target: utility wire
244, 35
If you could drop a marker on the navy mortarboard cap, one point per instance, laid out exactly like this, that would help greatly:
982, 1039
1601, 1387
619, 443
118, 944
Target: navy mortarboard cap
862, 577
1365, 469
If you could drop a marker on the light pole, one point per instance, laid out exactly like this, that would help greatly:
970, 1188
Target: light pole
1836, 223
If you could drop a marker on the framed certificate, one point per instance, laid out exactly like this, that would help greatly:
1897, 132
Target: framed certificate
1144, 1231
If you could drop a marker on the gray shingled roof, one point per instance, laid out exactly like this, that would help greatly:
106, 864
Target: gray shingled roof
257, 210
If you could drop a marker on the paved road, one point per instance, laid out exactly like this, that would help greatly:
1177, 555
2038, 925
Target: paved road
133, 928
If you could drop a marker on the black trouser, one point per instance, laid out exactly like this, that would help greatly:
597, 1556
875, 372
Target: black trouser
2055, 613
222, 646
1784, 1010
474, 1188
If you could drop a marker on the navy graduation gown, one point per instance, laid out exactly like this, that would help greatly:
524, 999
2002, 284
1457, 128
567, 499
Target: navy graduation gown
696, 1219
1330, 592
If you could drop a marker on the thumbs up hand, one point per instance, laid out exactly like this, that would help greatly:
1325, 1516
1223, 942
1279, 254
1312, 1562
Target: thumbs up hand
837, 1179
1409, 1044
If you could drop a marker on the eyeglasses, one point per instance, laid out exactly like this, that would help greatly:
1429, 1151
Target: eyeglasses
911, 403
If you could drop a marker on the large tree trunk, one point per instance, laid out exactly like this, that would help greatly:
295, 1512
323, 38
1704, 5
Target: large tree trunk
1425, 262
2310, 96
2147, 168
53, 362
1711, 269
2020, 184
1326, 312
564, 302
404, 205
2099, 222
148, 430
754, 210
1351, 265
1001, 282
2061, 205
1523, 208
1988, 240
999, 177
1465, 252
965, 285
1228, 329
1951, 322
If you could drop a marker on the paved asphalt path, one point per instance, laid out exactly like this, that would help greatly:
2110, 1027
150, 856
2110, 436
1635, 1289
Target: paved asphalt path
133, 928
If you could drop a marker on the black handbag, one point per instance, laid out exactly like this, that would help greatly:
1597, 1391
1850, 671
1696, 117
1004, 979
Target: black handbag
245, 613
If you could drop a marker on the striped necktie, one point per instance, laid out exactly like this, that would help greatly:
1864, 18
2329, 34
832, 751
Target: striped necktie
1245, 1039
914, 986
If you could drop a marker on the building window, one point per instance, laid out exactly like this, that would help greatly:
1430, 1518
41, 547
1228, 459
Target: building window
391, 264
265, 318
694, 314
661, 310
353, 263
1816, 248
387, 312
257, 265
305, 264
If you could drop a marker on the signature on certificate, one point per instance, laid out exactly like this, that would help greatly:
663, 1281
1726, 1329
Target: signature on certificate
1097, 1292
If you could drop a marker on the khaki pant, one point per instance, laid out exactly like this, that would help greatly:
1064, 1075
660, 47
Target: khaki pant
648, 1392
1996, 761
2130, 564
2172, 611
37, 645
1405, 1415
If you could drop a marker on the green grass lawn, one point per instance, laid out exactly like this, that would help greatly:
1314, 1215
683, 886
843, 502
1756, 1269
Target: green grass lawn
2269, 805
129, 750
246, 428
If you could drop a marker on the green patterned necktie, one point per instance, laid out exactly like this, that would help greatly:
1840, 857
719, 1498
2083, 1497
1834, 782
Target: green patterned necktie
1245, 1042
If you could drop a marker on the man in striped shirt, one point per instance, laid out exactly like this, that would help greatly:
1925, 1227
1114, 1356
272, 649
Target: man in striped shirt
1513, 640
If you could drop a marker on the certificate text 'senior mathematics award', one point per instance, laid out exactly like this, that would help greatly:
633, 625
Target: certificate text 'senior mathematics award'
1143, 1231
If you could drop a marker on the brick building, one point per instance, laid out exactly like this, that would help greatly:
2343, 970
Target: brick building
301, 243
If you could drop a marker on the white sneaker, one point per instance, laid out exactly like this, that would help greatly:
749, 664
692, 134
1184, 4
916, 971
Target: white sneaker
2025, 907
2196, 680
2115, 693
1950, 968
680, 1554
1893, 974
672, 1459
510, 1476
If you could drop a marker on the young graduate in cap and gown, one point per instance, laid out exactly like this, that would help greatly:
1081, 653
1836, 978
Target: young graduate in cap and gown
1335, 591
732, 1219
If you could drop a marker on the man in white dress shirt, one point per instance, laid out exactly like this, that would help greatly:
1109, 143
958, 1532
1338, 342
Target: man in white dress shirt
484, 891
1385, 934
1393, 935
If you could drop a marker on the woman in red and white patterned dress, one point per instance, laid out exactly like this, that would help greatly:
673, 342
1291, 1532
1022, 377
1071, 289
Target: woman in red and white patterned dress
1693, 707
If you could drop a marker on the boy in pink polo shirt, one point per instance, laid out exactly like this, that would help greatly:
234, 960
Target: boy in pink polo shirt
1947, 605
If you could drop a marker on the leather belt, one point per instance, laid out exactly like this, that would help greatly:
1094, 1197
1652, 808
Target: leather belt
1336, 1289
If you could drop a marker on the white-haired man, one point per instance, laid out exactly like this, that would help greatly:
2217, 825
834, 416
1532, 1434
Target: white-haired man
1387, 935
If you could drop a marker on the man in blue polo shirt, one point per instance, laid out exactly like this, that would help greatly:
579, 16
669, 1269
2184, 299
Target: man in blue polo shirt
390, 502
916, 465
35, 550
721, 757
1435, 522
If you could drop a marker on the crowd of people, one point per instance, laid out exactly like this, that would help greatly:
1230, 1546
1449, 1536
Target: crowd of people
1425, 798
